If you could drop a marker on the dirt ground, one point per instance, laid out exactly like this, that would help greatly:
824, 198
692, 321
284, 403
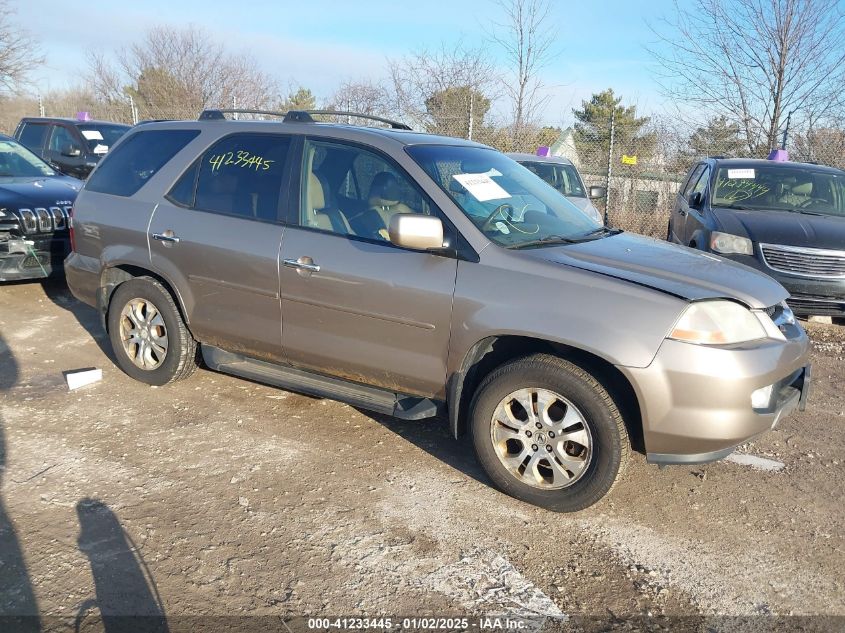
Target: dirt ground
221, 497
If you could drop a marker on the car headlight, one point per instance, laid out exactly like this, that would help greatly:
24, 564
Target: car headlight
727, 243
719, 322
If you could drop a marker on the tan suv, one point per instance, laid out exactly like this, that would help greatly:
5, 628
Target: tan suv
413, 275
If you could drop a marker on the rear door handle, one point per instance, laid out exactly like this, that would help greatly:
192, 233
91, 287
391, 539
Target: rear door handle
303, 263
167, 236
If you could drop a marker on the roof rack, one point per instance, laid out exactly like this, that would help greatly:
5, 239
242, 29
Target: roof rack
299, 116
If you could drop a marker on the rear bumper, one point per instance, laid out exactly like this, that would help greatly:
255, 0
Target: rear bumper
40, 260
83, 277
695, 401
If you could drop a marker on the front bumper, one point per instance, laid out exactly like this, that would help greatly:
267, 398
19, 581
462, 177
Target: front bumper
44, 258
809, 296
695, 401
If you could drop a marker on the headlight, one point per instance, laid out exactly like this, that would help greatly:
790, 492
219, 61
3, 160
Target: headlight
727, 243
718, 323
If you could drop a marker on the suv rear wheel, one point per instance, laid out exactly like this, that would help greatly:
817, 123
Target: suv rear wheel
148, 336
548, 433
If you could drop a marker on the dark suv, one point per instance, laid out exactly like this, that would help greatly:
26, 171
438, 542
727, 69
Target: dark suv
412, 274
786, 219
73, 146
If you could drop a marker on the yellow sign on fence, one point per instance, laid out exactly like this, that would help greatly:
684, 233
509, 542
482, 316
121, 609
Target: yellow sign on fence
629, 160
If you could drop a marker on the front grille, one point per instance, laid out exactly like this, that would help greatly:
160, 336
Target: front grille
45, 220
818, 306
805, 262
30, 222
59, 219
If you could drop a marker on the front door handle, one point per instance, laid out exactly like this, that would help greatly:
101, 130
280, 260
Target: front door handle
303, 263
168, 236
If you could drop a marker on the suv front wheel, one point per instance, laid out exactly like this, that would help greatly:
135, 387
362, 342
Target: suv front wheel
148, 335
548, 433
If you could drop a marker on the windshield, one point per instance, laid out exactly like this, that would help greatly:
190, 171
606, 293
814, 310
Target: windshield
509, 204
780, 188
17, 161
100, 137
561, 176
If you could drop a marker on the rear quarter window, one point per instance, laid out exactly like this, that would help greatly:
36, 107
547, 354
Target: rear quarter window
137, 159
32, 136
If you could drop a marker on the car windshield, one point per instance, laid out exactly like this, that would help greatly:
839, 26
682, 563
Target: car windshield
100, 137
17, 161
508, 203
561, 176
780, 188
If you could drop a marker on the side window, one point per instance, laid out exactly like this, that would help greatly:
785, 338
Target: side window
182, 192
242, 175
129, 166
691, 181
353, 191
701, 185
60, 138
32, 136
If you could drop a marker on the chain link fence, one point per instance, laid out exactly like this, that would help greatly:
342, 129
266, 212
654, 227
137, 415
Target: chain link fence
641, 162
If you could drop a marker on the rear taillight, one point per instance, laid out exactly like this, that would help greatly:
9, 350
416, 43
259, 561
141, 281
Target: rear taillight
70, 229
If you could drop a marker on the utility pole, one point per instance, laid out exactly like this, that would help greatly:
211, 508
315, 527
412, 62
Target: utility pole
133, 110
41, 106
609, 167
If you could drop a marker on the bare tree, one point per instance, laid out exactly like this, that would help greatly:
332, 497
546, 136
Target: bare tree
177, 72
420, 76
18, 51
365, 97
755, 61
527, 39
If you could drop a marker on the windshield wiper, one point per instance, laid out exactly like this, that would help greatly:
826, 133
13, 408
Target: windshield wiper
738, 207
545, 241
603, 230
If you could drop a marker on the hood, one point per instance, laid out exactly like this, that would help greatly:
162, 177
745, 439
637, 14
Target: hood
784, 227
673, 269
44, 191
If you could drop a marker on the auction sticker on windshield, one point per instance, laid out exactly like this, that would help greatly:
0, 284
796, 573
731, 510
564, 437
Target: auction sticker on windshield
482, 187
744, 174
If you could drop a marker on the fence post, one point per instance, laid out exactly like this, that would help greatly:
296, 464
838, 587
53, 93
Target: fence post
471, 104
133, 111
609, 167
41, 106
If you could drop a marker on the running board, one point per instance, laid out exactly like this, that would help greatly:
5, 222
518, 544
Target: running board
291, 379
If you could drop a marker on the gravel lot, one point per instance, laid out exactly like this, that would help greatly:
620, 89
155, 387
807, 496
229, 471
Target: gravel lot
217, 496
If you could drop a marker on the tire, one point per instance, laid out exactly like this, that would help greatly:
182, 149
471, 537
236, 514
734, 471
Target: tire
590, 448
144, 304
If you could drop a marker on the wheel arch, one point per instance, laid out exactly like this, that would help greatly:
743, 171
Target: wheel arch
493, 351
117, 274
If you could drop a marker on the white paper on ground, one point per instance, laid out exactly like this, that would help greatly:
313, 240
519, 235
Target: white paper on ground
92, 135
760, 463
482, 187
744, 174
77, 379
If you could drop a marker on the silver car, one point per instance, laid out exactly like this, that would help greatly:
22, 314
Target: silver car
418, 275
562, 174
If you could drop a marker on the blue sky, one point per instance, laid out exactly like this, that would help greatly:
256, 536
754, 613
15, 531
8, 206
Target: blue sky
320, 43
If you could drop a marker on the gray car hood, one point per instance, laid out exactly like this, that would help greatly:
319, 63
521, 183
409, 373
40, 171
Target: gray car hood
673, 269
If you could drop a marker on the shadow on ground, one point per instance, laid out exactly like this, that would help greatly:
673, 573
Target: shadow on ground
126, 597
18, 606
57, 291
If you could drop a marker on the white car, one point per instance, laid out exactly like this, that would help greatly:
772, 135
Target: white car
561, 174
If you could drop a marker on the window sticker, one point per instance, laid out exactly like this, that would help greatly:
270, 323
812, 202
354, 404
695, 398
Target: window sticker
92, 135
745, 174
482, 187
101, 149
239, 158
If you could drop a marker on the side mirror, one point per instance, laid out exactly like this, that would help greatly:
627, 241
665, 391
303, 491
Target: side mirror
412, 230
71, 150
695, 200
598, 192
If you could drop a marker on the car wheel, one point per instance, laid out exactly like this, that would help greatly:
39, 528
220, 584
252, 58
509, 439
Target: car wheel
148, 335
546, 432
